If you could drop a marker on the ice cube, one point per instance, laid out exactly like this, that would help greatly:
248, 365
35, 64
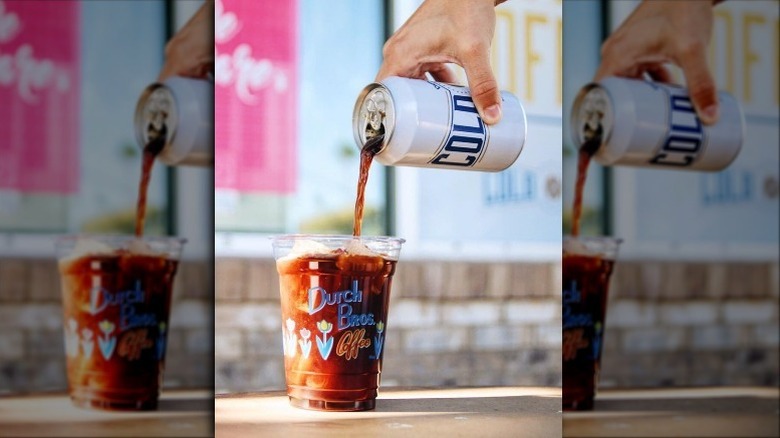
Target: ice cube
88, 246
138, 246
356, 247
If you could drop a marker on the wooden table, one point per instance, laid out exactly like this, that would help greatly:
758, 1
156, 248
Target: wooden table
462, 412
180, 414
699, 412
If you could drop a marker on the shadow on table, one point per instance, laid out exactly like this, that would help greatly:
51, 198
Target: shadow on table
402, 415
682, 414
472, 405
185, 405
734, 404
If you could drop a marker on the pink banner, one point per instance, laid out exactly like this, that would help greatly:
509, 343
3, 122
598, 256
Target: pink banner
256, 95
39, 96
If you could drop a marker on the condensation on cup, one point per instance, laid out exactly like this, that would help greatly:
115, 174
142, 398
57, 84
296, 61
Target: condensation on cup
181, 110
628, 122
435, 125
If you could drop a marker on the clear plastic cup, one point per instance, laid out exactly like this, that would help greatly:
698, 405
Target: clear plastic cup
116, 295
335, 292
587, 267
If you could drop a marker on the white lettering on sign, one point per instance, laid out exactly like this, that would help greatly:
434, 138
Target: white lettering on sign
21, 69
9, 24
226, 24
248, 75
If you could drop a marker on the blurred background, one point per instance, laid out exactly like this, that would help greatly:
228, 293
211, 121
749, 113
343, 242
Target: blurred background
476, 296
71, 73
694, 296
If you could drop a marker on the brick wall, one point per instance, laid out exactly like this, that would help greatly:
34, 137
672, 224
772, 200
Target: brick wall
671, 323
32, 355
450, 323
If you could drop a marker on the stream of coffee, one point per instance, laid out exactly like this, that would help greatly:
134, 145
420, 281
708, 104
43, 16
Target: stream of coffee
366, 158
584, 156
150, 151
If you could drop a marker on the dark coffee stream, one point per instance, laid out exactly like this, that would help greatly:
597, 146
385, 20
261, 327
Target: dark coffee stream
151, 149
370, 149
583, 161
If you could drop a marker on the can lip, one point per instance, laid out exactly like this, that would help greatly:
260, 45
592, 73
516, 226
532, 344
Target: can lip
506, 94
742, 128
357, 132
574, 118
138, 118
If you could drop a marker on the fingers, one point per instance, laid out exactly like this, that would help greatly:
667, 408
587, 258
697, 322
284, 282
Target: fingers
606, 68
659, 73
384, 71
394, 63
612, 61
190, 52
483, 86
442, 73
700, 83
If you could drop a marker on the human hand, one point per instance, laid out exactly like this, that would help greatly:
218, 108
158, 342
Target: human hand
658, 32
442, 31
191, 51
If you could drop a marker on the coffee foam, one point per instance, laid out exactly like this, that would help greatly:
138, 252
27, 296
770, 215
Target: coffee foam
357, 247
87, 246
138, 246
573, 246
308, 248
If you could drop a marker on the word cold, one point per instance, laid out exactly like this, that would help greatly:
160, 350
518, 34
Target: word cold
685, 137
467, 139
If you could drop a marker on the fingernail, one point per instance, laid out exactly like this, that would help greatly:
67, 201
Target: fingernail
492, 114
709, 115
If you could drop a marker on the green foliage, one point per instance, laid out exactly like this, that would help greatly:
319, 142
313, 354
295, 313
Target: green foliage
123, 222
341, 222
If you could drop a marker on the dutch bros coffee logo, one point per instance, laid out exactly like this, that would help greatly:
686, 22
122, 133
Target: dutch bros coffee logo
574, 337
685, 137
572, 299
466, 141
319, 298
100, 299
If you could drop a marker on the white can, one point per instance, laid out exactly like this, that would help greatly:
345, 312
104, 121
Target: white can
182, 110
435, 125
630, 122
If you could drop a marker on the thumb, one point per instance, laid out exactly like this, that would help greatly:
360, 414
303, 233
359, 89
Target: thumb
701, 86
484, 88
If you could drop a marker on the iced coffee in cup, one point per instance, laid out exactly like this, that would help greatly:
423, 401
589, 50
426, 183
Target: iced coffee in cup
334, 293
116, 293
587, 266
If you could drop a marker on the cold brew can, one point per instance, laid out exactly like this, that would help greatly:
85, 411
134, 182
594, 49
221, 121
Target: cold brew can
182, 111
435, 125
641, 123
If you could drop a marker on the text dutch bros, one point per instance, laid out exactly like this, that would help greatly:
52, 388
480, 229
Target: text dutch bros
101, 298
319, 298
